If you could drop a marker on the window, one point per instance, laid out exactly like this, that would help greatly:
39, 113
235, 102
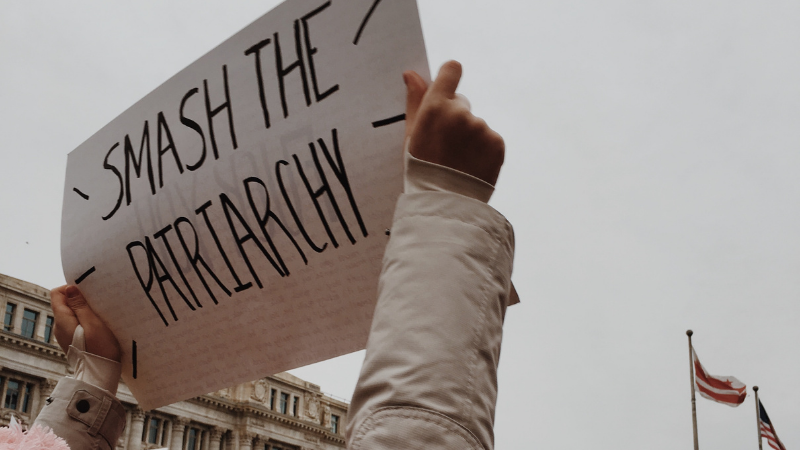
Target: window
12, 394
272, 394
284, 402
152, 432
334, 424
294, 406
29, 323
8, 322
48, 329
26, 400
194, 439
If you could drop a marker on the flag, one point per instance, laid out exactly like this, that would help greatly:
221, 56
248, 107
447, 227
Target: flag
767, 430
722, 389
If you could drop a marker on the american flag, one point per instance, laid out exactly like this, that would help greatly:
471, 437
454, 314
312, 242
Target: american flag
723, 389
767, 430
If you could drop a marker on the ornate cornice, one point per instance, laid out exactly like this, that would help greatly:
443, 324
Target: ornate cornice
50, 351
256, 411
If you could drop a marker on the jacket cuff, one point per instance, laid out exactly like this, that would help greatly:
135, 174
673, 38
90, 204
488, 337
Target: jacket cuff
421, 176
90, 368
83, 415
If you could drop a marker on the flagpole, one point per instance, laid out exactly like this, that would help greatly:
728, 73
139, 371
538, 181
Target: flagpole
758, 417
691, 383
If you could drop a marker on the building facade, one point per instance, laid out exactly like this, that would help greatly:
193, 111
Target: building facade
279, 412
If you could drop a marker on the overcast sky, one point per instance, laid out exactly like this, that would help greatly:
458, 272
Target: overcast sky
653, 153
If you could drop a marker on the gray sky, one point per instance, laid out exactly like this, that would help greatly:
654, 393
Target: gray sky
651, 177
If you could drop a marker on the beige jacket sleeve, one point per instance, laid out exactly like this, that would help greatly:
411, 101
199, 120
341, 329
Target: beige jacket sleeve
83, 410
429, 379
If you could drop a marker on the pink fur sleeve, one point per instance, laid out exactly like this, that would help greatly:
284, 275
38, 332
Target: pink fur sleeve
36, 438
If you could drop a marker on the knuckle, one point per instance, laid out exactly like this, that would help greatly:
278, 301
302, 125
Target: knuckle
497, 142
77, 303
436, 106
477, 124
462, 119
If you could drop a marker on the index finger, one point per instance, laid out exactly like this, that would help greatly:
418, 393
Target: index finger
446, 81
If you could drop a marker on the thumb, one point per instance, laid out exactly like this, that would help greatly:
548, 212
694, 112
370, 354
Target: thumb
77, 303
415, 91
447, 80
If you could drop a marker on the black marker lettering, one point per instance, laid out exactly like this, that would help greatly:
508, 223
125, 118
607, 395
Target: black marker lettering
325, 188
196, 127
298, 63
202, 210
341, 175
289, 205
195, 258
112, 168
263, 220
210, 113
78, 191
163, 129
146, 286
161, 234
154, 258
310, 51
256, 49
388, 121
133, 360
228, 208
364, 22
130, 157
84, 275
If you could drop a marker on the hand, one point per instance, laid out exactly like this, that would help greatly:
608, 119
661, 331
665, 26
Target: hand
70, 309
443, 130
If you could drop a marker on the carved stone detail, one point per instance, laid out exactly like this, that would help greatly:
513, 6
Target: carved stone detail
137, 413
260, 391
246, 437
215, 433
179, 424
326, 416
312, 406
47, 386
224, 393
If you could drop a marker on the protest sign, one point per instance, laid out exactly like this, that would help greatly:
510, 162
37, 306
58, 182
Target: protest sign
231, 224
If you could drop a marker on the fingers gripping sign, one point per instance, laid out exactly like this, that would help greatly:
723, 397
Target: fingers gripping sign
70, 310
442, 130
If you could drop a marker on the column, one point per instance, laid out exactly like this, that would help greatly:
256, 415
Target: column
232, 440
214, 438
4, 391
16, 324
168, 432
162, 429
204, 440
46, 387
246, 440
178, 427
125, 438
38, 333
137, 426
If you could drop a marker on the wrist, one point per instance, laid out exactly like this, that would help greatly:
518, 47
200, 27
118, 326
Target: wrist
90, 368
421, 175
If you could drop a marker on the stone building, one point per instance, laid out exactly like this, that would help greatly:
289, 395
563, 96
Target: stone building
279, 412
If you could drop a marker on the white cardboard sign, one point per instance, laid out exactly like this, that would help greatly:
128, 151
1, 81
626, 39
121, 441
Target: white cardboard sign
231, 224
